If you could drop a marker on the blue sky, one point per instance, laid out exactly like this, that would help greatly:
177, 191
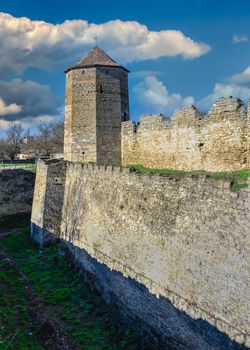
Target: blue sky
179, 52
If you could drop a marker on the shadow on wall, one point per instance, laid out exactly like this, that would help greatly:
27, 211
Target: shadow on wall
160, 324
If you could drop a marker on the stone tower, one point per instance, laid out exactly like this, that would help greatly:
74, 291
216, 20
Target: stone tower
97, 103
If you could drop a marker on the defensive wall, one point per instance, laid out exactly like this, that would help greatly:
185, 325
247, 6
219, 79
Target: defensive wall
190, 140
170, 251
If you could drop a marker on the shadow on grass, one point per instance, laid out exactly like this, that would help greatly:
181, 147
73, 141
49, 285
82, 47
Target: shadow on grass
17, 221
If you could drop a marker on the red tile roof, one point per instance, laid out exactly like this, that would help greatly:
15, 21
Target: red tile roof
95, 57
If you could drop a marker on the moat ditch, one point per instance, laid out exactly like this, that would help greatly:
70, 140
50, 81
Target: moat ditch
44, 303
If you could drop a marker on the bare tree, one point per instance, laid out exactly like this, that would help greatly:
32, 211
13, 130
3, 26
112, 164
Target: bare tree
3, 150
50, 138
14, 139
44, 139
58, 136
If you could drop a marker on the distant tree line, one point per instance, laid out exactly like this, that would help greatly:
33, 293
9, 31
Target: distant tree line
48, 140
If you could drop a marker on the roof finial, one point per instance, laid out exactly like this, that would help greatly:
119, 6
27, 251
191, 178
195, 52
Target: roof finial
96, 40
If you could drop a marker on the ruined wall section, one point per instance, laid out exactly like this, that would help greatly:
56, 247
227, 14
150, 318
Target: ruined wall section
191, 140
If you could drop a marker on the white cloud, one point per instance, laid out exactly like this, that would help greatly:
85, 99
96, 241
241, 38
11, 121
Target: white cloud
241, 78
27, 103
30, 123
12, 108
141, 74
239, 38
26, 43
153, 94
224, 90
36, 99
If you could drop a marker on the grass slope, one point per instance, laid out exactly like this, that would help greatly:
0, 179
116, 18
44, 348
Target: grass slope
238, 178
26, 166
82, 315
15, 318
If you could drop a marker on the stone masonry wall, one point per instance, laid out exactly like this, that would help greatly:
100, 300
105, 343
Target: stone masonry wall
37, 214
96, 104
80, 115
112, 107
48, 199
16, 192
183, 238
190, 140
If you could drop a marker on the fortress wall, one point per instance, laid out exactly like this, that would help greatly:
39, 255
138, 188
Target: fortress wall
37, 214
185, 239
55, 186
48, 198
191, 140
141, 236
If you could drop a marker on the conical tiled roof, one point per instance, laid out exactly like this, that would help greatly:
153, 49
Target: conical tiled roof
95, 57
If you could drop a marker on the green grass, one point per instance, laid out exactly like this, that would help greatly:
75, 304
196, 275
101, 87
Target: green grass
15, 318
238, 177
82, 314
243, 174
238, 186
144, 170
29, 166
